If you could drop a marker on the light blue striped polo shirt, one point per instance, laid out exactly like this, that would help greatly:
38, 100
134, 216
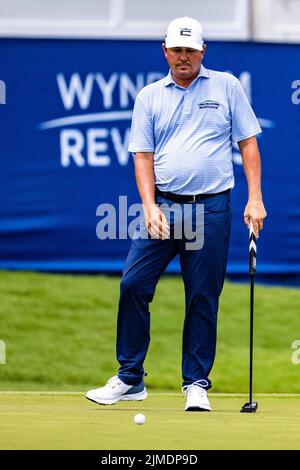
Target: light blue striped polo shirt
191, 130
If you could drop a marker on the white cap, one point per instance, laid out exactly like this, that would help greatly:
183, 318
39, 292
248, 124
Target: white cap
185, 32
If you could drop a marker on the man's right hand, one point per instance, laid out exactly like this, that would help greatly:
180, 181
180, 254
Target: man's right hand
156, 222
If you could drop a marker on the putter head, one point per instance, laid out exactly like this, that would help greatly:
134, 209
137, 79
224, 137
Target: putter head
250, 407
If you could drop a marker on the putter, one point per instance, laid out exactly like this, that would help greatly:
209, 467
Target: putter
251, 406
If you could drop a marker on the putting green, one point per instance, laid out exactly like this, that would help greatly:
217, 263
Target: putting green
68, 421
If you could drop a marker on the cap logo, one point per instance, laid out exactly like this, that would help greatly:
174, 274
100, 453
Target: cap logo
185, 31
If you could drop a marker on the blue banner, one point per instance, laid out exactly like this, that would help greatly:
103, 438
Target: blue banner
64, 137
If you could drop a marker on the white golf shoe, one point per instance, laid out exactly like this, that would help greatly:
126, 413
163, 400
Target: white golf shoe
196, 398
115, 390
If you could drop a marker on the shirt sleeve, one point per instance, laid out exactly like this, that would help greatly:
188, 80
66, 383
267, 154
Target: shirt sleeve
244, 123
141, 135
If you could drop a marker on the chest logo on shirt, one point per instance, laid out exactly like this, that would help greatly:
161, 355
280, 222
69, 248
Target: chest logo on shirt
208, 104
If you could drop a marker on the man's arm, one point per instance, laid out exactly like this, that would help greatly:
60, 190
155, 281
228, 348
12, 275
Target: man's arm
155, 219
254, 209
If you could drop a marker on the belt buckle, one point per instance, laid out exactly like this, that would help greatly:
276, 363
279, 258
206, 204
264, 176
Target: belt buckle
193, 199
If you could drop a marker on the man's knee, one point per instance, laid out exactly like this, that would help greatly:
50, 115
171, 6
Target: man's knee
129, 282
133, 284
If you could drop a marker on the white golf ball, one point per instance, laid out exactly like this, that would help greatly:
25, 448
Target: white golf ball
139, 418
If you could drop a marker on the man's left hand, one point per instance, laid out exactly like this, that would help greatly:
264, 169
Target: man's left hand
256, 212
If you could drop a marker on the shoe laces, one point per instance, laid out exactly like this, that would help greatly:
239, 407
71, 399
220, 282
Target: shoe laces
114, 381
194, 389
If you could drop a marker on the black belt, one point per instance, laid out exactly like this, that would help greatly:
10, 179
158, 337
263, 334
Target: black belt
186, 198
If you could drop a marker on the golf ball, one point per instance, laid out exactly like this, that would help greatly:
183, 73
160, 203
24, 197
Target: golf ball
139, 418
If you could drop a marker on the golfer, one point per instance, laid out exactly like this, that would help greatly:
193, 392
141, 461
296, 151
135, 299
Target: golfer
183, 128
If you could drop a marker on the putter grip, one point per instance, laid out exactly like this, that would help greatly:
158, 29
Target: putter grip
252, 250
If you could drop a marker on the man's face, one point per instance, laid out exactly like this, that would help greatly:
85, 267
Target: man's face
183, 61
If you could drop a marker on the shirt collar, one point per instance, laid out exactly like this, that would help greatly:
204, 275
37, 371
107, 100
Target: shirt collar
203, 72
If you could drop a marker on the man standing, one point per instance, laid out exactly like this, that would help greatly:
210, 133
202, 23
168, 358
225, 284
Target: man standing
182, 132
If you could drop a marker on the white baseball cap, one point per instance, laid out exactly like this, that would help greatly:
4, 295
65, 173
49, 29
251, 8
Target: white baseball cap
185, 32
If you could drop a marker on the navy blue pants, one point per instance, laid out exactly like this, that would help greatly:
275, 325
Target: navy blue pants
203, 273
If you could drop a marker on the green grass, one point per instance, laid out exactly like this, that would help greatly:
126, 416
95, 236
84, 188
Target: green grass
62, 421
59, 332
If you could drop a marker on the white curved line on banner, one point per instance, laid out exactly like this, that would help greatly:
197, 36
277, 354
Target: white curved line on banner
110, 116
85, 118
266, 123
